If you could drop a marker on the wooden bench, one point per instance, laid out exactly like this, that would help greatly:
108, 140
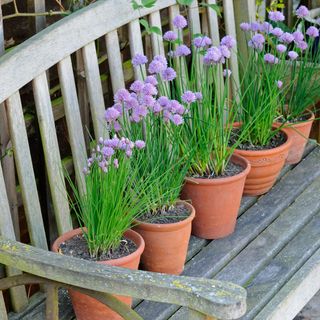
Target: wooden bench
274, 252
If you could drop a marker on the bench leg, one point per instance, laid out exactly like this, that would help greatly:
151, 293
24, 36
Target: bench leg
52, 303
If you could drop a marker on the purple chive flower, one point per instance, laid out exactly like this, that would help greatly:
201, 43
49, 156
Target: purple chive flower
198, 96
270, 58
140, 144
149, 101
149, 89
131, 103
278, 32
161, 59
293, 55
286, 37
228, 41
312, 32
129, 153
169, 74
117, 126
227, 73
257, 41
156, 67
201, 42
182, 50
279, 84
170, 36
176, 107
111, 114
188, 97
225, 51
302, 12
180, 22
122, 95
281, 48
116, 163
177, 119
152, 80
245, 26
302, 45
276, 16
139, 59
213, 55
255, 26
137, 86
298, 36
266, 27
164, 101
157, 107
107, 151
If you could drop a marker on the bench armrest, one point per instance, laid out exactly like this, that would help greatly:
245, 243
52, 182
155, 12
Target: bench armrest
214, 298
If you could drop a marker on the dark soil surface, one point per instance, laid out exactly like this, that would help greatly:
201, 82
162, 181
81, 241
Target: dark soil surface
300, 119
77, 247
174, 214
231, 170
276, 141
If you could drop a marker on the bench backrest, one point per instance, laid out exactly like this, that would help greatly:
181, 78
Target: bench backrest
29, 63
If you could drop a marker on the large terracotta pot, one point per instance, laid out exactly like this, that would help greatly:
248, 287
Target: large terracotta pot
265, 167
166, 244
299, 134
87, 308
216, 201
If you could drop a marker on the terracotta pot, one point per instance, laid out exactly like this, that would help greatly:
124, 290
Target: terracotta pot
166, 244
299, 134
216, 201
87, 308
265, 167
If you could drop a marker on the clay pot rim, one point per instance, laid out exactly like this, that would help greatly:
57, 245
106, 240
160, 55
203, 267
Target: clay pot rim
131, 234
164, 227
301, 123
225, 180
266, 152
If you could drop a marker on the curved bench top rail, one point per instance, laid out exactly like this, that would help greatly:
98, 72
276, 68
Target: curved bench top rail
48, 47
215, 298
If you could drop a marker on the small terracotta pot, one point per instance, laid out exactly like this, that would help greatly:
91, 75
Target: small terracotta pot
86, 307
166, 244
299, 134
265, 166
216, 201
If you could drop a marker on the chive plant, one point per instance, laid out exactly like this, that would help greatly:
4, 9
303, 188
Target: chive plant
114, 195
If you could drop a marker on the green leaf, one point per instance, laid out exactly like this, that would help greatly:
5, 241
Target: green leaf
185, 2
213, 6
148, 3
155, 30
135, 5
145, 23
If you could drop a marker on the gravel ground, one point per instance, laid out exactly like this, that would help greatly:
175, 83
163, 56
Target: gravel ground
312, 310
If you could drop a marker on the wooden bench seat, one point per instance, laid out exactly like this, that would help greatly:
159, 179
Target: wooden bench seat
274, 252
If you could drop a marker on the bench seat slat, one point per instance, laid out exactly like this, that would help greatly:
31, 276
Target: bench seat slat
249, 225
296, 293
51, 153
269, 281
25, 172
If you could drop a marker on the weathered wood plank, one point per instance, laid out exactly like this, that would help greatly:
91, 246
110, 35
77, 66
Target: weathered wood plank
210, 297
249, 225
269, 281
296, 293
156, 39
136, 47
65, 37
213, 24
94, 88
51, 153
115, 61
73, 118
194, 18
25, 172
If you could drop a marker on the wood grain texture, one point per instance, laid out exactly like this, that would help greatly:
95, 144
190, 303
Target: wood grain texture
51, 153
194, 17
156, 39
213, 23
25, 172
94, 88
220, 299
73, 118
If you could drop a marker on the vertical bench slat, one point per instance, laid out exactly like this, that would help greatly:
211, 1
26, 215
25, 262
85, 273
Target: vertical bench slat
114, 60
18, 295
94, 87
51, 153
156, 39
229, 21
194, 18
173, 11
73, 118
25, 172
213, 24
136, 45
